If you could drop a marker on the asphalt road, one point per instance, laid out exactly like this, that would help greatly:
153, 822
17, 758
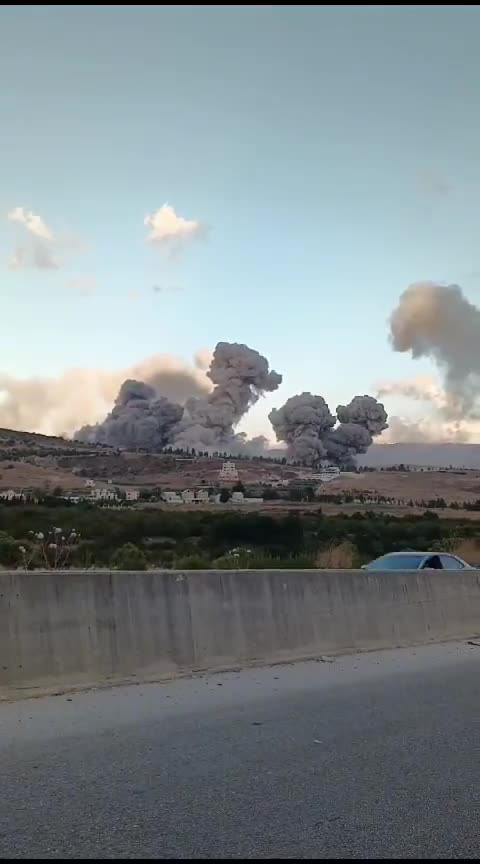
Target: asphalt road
369, 756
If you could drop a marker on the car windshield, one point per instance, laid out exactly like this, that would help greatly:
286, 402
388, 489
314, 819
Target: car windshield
397, 562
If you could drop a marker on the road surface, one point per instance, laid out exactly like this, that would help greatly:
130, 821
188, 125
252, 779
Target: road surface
369, 756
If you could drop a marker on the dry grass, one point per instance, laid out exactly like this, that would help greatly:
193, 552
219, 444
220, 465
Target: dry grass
341, 557
24, 475
415, 485
468, 549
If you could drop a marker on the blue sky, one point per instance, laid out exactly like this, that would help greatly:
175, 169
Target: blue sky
332, 153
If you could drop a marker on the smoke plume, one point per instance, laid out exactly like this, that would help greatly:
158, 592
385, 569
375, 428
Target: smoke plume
430, 430
420, 389
302, 424
144, 417
240, 376
437, 321
306, 425
346, 441
60, 406
366, 412
139, 418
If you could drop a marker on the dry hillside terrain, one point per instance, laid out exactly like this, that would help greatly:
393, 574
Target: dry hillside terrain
29, 461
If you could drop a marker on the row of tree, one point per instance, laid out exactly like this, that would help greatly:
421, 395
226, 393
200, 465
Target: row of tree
166, 538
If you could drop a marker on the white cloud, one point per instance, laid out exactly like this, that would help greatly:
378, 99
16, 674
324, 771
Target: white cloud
33, 223
169, 231
38, 247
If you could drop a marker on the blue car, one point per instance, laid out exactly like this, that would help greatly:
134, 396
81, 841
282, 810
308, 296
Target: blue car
418, 561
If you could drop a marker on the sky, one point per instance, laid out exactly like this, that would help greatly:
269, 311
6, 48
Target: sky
323, 158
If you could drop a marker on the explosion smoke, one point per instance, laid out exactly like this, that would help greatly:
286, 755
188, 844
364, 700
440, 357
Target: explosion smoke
302, 423
366, 412
346, 441
305, 424
240, 376
437, 321
58, 406
142, 417
138, 419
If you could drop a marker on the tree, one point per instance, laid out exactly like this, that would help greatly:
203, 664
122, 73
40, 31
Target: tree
270, 495
129, 557
224, 496
239, 487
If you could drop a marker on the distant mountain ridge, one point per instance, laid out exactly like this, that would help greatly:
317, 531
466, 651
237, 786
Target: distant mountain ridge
440, 455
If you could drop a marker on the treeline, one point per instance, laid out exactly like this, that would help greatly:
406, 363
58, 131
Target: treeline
156, 538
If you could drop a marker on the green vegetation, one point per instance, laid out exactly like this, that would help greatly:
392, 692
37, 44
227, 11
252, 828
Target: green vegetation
129, 557
133, 539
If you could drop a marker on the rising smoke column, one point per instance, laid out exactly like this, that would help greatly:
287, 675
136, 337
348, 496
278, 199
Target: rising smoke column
345, 442
302, 424
139, 418
143, 417
61, 405
240, 375
364, 411
306, 425
437, 321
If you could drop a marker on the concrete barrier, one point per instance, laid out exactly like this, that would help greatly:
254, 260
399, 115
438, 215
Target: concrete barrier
73, 629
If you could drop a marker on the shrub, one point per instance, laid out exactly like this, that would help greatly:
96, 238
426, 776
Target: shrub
192, 562
9, 550
129, 557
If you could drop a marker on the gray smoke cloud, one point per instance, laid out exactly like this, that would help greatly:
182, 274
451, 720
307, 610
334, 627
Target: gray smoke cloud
346, 441
143, 417
240, 375
437, 321
364, 411
139, 418
302, 423
61, 405
305, 424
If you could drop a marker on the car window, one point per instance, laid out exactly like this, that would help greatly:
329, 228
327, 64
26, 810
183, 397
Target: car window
449, 562
433, 563
397, 562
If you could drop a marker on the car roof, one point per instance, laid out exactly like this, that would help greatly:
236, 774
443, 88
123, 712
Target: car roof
416, 552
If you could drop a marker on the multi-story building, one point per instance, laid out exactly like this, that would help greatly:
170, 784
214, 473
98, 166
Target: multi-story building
228, 471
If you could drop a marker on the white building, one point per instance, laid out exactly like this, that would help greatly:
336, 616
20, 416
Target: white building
237, 498
202, 496
188, 497
89, 482
132, 494
228, 471
323, 475
11, 495
171, 498
104, 495
330, 472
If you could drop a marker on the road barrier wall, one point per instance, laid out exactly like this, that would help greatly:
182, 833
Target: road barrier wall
72, 629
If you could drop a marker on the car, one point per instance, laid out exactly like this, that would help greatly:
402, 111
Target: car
418, 561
